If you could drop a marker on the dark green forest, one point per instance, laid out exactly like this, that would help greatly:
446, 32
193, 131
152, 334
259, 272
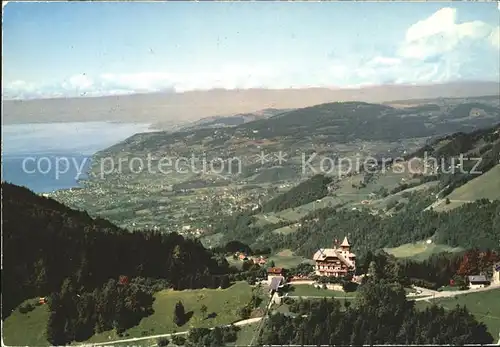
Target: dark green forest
46, 243
370, 232
76, 315
380, 315
432, 273
473, 225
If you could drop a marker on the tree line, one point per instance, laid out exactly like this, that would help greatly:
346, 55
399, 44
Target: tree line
76, 315
410, 224
441, 269
308, 191
379, 315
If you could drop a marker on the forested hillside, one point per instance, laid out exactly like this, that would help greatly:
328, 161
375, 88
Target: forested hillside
345, 121
380, 315
408, 222
314, 188
472, 225
46, 243
461, 157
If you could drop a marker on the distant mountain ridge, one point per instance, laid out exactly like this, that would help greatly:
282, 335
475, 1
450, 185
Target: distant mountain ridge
176, 108
320, 125
228, 121
345, 121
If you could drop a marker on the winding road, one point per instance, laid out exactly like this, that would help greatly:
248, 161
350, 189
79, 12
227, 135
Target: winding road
135, 339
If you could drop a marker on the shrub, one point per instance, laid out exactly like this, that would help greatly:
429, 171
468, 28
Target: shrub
178, 340
26, 308
162, 342
245, 312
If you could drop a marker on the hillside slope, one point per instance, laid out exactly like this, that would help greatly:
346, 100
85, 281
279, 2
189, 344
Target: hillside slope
486, 186
44, 242
230, 121
346, 121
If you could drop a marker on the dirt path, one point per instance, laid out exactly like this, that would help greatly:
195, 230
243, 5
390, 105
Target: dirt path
433, 295
135, 339
443, 202
450, 294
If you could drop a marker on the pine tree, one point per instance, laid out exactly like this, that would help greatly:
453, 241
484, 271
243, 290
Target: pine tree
56, 323
41, 280
372, 270
225, 283
179, 314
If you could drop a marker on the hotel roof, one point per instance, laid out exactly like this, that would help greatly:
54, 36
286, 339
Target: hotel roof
345, 243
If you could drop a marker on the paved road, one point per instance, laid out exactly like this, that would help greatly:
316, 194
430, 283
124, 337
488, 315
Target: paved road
429, 294
135, 339
447, 294
319, 297
302, 282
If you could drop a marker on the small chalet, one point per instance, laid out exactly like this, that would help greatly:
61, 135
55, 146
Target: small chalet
478, 281
336, 261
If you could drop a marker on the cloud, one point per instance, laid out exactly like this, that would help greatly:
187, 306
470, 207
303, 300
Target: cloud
80, 83
437, 49
495, 36
385, 61
433, 50
440, 33
227, 77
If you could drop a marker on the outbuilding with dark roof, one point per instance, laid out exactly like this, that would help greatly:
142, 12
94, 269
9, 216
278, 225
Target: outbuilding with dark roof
478, 281
276, 283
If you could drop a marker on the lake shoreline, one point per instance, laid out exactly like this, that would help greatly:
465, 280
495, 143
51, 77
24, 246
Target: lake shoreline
32, 156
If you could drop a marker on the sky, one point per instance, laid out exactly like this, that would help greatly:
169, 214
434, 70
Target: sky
66, 49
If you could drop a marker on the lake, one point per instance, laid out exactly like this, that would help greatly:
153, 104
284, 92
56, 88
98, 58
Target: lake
50, 156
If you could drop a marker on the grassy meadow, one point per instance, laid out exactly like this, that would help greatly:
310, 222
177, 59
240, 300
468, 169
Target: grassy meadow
419, 251
222, 308
485, 306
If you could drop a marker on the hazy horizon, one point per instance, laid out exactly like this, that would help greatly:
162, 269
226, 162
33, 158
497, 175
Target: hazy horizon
177, 108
